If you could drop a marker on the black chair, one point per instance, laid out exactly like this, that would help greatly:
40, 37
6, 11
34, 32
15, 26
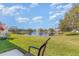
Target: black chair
41, 49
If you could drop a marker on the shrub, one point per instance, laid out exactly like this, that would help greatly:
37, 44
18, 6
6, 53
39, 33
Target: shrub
71, 33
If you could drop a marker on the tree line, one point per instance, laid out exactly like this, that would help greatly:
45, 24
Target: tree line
71, 19
29, 31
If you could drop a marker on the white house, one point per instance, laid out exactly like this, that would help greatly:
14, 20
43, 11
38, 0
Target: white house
3, 30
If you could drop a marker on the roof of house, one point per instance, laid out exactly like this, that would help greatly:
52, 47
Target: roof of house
2, 27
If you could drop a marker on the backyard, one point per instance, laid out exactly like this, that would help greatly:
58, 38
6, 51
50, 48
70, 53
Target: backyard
60, 45
27, 24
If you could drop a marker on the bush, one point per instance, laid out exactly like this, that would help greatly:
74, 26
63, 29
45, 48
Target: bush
3, 38
71, 33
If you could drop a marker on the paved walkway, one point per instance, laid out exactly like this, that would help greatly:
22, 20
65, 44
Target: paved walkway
13, 52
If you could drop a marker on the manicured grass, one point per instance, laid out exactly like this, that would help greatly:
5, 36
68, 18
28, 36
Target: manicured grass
25, 41
5, 45
58, 45
63, 46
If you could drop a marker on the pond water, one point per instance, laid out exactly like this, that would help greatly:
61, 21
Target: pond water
37, 34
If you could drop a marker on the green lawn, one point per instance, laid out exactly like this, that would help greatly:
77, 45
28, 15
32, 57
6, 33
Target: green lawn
25, 41
5, 45
58, 45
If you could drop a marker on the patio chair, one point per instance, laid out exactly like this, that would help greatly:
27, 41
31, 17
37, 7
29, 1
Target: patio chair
41, 49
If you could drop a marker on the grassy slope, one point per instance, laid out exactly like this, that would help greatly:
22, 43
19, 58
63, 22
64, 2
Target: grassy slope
5, 45
58, 45
25, 41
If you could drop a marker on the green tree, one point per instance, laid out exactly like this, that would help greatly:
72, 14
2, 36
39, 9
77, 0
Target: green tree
51, 31
29, 31
41, 31
71, 20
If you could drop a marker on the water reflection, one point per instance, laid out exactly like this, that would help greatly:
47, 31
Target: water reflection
37, 34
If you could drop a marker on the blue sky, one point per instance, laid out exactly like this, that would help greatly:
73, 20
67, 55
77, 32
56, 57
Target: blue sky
33, 15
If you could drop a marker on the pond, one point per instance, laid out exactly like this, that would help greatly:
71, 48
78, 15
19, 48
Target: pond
37, 34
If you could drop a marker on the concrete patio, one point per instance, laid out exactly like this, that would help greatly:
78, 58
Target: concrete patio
14, 52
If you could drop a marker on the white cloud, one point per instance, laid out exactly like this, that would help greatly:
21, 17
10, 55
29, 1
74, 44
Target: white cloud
1, 6
59, 4
10, 10
22, 20
55, 15
17, 7
59, 8
69, 6
37, 19
33, 5
64, 7
54, 12
53, 4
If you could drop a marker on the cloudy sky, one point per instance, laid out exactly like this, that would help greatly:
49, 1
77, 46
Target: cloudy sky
30, 15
